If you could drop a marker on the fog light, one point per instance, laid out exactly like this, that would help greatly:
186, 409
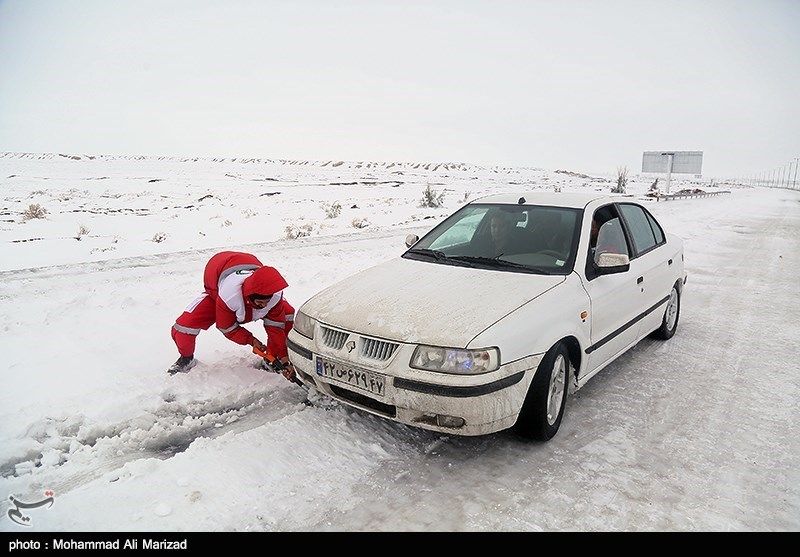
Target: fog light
449, 421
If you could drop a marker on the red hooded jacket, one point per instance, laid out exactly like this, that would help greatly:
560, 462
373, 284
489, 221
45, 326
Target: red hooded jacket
230, 278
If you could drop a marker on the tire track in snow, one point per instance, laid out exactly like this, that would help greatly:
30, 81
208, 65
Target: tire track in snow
299, 244
80, 452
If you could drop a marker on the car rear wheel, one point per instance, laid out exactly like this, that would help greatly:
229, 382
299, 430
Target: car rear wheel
543, 408
670, 322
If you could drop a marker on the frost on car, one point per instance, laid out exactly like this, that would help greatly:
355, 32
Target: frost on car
485, 322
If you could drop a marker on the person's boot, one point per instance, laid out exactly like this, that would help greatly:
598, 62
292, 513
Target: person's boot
182, 365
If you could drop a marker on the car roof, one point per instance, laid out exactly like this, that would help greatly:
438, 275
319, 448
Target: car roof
552, 199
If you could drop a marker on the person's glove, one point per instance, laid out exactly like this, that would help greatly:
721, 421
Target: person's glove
288, 369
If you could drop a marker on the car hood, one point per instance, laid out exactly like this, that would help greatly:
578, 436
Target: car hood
422, 302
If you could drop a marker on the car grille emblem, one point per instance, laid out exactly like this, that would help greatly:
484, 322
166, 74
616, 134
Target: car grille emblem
350, 346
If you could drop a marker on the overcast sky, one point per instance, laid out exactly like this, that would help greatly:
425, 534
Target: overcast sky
579, 85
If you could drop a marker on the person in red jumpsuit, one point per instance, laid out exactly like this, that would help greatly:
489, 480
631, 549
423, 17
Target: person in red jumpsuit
238, 289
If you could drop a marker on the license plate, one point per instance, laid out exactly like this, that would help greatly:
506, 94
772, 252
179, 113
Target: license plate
368, 381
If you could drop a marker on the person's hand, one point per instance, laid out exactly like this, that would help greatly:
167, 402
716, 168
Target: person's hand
282, 364
288, 370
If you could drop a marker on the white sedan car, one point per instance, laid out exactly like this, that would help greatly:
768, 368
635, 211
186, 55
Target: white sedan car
485, 322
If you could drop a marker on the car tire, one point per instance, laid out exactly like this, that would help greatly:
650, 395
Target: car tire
669, 324
544, 405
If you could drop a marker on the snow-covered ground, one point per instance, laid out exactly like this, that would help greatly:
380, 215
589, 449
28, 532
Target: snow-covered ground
696, 433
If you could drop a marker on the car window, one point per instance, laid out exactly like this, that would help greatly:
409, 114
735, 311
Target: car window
656, 229
639, 227
523, 238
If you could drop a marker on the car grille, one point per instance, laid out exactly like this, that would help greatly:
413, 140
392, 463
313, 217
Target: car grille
365, 401
333, 338
377, 349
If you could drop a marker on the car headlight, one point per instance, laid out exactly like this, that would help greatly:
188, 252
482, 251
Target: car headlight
304, 325
455, 360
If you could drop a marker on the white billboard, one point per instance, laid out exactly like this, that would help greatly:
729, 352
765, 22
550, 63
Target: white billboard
683, 162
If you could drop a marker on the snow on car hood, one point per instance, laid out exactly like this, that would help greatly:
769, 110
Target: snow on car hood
422, 302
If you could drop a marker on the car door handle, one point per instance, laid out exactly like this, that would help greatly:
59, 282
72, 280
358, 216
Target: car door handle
640, 280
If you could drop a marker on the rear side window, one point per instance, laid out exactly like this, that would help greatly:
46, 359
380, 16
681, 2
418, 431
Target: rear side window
656, 229
639, 227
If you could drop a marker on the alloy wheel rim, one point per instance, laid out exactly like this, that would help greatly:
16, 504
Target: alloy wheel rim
555, 393
672, 309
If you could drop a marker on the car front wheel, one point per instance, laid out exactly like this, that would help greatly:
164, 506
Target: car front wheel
543, 408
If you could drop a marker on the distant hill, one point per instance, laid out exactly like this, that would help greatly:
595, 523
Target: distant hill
391, 166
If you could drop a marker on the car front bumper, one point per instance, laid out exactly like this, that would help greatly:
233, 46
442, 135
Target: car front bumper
457, 404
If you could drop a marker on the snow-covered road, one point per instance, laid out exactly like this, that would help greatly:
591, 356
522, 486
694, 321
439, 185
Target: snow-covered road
696, 433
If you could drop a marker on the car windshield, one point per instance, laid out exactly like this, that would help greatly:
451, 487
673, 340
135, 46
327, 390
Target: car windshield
517, 238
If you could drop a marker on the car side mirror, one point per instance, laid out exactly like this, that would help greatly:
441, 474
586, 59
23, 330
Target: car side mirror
411, 239
610, 263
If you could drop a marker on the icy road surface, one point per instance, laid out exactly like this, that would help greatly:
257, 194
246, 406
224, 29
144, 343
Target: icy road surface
696, 433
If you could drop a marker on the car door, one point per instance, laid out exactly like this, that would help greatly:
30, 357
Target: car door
653, 262
615, 300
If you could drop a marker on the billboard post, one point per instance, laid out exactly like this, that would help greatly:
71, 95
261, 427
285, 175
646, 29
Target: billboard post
669, 168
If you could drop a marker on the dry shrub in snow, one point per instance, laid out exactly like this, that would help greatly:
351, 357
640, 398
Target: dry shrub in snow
294, 232
332, 210
432, 198
359, 222
248, 213
159, 237
622, 180
226, 223
82, 231
34, 211
654, 190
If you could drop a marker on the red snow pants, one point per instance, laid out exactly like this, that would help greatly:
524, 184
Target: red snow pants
201, 314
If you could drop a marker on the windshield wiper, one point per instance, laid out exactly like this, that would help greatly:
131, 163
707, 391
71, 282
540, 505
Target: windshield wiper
498, 263
441, 257
438, 255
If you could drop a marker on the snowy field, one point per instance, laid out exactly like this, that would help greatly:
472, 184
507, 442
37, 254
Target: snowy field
696, 433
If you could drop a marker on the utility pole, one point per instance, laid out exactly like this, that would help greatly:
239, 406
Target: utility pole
796, 164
